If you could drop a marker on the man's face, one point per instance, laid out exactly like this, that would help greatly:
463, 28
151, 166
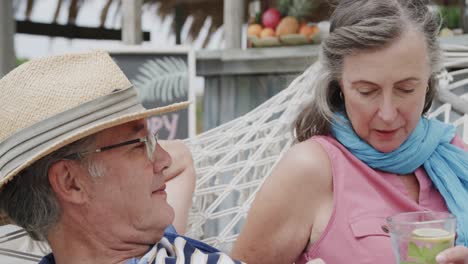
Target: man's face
128, 201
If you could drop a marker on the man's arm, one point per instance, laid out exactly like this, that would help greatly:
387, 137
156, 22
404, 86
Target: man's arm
180, 181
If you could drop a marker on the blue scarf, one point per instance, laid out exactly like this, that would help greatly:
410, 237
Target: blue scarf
428, 145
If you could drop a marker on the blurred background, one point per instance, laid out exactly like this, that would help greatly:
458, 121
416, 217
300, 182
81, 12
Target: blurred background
228, 56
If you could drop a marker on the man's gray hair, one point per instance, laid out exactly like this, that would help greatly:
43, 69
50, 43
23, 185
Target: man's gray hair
359, 25
29, 200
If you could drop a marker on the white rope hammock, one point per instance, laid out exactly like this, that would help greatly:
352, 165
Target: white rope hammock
233, 160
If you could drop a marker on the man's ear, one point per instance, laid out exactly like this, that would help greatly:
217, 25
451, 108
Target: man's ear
68, 180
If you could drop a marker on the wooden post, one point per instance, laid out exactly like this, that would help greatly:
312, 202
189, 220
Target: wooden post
7, 34
178, 21
233, 21
131, 22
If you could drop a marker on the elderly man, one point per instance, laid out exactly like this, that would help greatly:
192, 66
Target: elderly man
79, 169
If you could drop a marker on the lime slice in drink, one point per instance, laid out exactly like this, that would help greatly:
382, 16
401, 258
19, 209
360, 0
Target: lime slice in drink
432, 234
426, 243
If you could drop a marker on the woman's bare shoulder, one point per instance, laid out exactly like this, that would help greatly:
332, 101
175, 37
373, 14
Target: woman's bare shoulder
284, 210
309, 161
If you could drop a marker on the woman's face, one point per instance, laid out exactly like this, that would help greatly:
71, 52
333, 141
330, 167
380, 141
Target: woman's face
384, 90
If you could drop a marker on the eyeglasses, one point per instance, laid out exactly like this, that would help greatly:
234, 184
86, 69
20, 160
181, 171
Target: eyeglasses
150, 140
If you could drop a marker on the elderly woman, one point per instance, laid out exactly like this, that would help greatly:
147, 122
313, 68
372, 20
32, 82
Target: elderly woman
365, 149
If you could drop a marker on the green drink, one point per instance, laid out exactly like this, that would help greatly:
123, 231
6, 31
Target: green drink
419, 237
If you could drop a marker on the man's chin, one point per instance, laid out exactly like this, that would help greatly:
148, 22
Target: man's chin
169, 216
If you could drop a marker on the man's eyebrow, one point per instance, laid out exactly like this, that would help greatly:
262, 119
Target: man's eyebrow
139, 127
135, 130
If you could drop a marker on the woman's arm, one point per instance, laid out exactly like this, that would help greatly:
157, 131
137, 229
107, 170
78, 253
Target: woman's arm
280, 221
180, 181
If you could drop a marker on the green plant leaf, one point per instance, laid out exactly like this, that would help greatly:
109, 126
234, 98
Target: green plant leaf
283, 6
451, 16
20, 61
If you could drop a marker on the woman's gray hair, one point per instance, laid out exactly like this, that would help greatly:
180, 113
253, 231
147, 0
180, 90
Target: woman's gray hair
29, 201
358, 25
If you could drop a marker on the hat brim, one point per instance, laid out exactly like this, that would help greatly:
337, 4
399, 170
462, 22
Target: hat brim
83, 132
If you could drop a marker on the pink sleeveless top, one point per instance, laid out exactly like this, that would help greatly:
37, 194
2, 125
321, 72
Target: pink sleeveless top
362, 199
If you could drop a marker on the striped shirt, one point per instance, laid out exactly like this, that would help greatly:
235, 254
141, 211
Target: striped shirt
172, 249
178, 249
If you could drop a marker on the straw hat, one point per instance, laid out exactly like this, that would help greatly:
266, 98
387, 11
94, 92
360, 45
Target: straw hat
51, 102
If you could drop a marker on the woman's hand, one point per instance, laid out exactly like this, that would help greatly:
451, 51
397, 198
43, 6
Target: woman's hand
316, 261
455, 255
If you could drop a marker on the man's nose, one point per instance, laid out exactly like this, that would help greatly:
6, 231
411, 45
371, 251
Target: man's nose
388, 109
162, 159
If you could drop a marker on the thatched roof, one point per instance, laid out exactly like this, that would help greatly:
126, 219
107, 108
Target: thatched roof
199, 9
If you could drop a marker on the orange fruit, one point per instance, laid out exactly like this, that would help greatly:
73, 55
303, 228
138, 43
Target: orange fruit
308, 31
254, 30
267, 32
287, 25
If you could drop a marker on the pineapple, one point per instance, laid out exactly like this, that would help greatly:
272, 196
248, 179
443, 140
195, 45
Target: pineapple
299, 9
283, 7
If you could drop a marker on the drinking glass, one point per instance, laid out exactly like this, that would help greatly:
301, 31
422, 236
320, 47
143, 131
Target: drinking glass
417, 237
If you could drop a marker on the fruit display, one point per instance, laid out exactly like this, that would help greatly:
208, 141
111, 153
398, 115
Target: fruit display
271, 18
284, 25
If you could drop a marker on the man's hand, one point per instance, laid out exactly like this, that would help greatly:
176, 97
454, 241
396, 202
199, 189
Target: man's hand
455, 255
